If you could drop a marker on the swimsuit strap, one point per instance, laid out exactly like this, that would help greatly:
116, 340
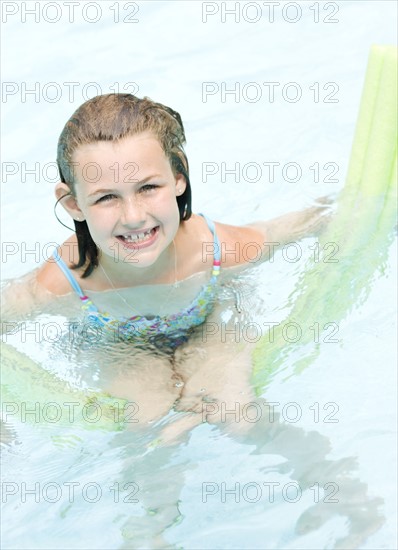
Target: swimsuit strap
217, 247
66, 271
87, 303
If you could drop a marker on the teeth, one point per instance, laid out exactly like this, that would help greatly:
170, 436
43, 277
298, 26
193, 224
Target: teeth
137, 236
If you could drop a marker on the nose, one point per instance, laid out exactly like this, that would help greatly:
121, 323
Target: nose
132, 212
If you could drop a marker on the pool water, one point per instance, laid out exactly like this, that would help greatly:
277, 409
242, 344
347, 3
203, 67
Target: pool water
317, 467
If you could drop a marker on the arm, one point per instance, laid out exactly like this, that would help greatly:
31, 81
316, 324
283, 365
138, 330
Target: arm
296, 225
21, 297
25, 295
239, 243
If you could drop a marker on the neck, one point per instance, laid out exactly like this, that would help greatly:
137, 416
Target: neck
127, 273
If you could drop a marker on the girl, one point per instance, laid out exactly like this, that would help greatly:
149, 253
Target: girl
146, 271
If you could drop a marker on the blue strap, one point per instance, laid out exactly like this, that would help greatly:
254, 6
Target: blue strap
66, 271
217, 247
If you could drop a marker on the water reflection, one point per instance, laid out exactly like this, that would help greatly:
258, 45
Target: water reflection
332, 487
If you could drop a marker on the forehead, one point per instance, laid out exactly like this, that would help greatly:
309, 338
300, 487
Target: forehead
141, 152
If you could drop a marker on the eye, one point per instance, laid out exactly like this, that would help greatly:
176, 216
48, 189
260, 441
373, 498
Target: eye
105, 198
148, 187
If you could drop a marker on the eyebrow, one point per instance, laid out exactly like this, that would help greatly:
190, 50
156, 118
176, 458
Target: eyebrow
99, 191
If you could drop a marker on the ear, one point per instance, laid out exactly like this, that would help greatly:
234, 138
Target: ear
69, 202
181, 184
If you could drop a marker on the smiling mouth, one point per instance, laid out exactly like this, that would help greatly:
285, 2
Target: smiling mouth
140, 237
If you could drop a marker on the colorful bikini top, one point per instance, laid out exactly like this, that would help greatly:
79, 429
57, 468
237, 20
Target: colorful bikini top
167, 331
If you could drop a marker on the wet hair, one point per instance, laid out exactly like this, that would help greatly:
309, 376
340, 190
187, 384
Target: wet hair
112, 117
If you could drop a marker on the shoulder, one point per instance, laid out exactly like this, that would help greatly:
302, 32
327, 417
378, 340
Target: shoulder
240, 244
51, 277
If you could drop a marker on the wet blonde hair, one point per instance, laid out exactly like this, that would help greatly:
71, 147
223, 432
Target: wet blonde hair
112, 117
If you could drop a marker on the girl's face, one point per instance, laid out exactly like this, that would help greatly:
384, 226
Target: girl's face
126, 192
